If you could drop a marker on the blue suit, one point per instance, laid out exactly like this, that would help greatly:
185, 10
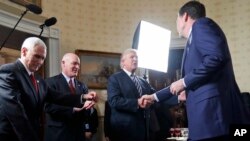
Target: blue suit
213, 101
213, 97
127, 119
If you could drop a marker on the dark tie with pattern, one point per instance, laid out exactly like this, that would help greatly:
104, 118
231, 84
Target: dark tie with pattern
71, 87
186, 50
137, 84
33, 80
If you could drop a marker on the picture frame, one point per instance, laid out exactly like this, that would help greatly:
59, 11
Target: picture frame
25, 2
96, 67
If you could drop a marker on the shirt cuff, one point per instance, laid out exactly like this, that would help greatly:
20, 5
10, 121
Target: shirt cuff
155, 97
184, 84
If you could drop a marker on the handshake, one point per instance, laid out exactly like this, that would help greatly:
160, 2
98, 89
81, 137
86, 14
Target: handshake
146, 101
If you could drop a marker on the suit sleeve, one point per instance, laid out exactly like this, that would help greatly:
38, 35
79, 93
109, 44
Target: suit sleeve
65, 112
166, 96
12, 108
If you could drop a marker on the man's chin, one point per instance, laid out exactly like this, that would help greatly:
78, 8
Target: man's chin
35, 69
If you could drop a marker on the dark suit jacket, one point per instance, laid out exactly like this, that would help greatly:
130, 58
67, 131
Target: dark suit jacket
61, 123
21, 106
91, 122
127, 119
107, 125
213, 101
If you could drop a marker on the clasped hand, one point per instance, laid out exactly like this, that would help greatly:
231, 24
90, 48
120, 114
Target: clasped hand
146, 101
177, 87
90, 100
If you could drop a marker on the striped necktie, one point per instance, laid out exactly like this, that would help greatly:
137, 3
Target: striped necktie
186, 50
137, 84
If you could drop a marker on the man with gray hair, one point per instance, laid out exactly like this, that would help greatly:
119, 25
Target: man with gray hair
62, 122
22, 95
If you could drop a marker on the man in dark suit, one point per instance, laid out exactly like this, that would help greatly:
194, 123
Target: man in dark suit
213, 97
22, 97
91, 125
107, 126
62, 122
128, 110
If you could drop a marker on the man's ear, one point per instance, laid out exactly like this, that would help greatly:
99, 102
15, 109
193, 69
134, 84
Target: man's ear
185, 15
24, 51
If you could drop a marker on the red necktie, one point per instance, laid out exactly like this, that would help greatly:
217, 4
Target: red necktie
32, 77
71, 87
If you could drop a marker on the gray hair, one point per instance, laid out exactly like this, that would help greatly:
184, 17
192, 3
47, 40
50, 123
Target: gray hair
127, 51
31, 42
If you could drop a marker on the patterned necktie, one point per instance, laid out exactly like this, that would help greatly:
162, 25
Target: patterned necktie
137, 84
33, 80
71, 87
186, 50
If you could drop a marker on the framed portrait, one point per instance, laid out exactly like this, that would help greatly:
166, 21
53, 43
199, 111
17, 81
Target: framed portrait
96, 67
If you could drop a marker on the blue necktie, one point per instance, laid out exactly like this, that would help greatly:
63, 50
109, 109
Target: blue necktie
186, 50
137, 84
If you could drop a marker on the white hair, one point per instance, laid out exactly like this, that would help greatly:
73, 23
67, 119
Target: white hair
127, 51
31, 42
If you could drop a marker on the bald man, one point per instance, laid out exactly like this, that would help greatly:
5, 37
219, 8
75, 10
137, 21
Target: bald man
63, 123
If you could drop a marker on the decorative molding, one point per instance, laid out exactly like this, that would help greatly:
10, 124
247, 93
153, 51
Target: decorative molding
26, 25
51, 35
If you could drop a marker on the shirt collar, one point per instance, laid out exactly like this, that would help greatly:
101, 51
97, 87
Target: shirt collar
190, 36
26, 68
67, 78
127, 72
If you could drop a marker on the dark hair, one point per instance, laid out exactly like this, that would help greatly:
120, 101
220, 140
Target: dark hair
194, 9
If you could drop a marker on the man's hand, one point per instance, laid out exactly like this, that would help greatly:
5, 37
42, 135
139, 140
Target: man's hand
90, 96
88, 135
150, 98
177, 87
87, 105
145, 101
182, 96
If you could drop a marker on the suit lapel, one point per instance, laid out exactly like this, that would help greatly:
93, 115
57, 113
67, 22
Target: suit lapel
79, 88
27, 80
131, 84
64, 83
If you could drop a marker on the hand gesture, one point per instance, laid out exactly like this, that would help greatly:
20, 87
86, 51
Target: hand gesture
90, 96
177, 86
87, 105
145, 101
